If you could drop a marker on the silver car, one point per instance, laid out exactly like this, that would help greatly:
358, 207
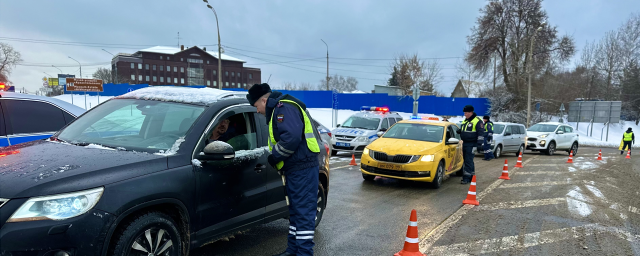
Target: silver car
507, 138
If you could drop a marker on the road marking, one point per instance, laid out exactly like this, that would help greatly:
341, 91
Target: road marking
344, 166
532, 239
537, 184
427, 240
542, 172
521, 204
543, 165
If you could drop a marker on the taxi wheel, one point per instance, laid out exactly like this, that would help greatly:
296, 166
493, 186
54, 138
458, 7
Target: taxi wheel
368, 177
322, 204
437, 180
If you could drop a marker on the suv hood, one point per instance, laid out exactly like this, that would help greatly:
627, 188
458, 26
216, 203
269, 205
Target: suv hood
41, 168
353, 132
404, 147
536, 134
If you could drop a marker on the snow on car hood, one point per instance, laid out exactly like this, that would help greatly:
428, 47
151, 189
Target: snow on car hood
202, 96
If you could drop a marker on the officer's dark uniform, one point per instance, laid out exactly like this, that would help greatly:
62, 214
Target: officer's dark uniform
472, 135
293, 153
628, 139
488, 137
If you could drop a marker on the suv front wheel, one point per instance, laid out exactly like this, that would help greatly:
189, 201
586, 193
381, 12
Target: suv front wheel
551, 148
574, 148
153, 233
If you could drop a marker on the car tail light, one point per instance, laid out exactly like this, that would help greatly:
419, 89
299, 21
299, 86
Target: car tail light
327, 147
329, 134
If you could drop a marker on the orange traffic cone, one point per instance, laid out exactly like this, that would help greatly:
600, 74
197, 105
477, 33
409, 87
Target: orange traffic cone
570, 161
505, 171
519, 163
353, 160
471, 195
600, 155
628, 154
411, 247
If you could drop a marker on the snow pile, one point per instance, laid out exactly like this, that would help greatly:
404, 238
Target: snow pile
196, 162
203, 96
96, 146
615, 134
217, 146
356, 91
244, 155
173, 150
79, 100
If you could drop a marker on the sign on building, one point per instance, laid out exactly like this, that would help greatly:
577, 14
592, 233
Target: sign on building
62, 79
84, 85
598, 111
53, 81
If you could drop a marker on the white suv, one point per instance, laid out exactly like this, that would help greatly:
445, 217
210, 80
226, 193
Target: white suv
551, 137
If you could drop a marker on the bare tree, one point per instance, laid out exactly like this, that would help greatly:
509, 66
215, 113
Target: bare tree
410, 71
608, 60
505, 29
9, 58
108, 76
339, 83
629, 37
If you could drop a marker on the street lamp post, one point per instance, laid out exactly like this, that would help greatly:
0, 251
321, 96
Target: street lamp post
116, 75
530, 71
57, 68
219, 46
327, 63
78, 64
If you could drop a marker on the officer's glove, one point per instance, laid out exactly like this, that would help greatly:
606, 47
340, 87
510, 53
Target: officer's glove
272, 161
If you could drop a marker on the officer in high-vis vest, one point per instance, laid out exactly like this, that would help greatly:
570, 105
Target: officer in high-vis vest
628, 139
488, 137
294, 153
472, 135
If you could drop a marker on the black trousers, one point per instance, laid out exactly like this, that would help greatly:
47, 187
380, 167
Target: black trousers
626, 145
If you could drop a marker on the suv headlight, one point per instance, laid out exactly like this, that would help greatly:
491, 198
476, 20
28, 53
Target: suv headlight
427, 158
57, 207
543, 136
362, 139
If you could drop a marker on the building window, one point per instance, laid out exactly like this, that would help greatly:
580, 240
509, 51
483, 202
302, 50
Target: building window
239, 85
175, 80
161, 68
215, 72
139, 65
208, 82
133, 65
175, 69
133, 77
215, 83
226, 84
168, 68
232, 74
140, 78
239, 75
245, 85
182, 80
207, 62
168, 58
181, 69
195, 61
154, 67
147, 77
161, 79
168, 79
160, 57
155, 79
250, 76
181, 59
233, 84
146, 66
226, 73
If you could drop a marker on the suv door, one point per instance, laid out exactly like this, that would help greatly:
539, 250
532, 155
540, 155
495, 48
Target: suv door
232, 193
392, 121
561, 139
507, 139
28, 120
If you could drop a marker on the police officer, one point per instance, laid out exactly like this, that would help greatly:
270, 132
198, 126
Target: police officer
294, 152
472, 135
628, 139
488, 137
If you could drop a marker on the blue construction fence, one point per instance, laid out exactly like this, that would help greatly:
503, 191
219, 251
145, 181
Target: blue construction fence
442, 106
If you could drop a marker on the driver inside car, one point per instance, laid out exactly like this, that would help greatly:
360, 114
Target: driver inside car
226, 131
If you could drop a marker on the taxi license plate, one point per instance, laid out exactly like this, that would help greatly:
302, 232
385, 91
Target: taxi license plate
394, 167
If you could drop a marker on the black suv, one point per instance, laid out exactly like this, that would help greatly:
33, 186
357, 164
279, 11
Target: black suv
142, 174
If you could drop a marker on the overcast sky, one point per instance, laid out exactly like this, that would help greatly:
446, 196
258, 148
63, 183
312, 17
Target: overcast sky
362, 35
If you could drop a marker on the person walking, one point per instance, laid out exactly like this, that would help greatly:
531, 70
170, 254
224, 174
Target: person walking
628, 139
472, 135
488, 137
294, 153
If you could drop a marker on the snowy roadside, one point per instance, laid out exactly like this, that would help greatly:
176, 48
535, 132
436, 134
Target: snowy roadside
600, 130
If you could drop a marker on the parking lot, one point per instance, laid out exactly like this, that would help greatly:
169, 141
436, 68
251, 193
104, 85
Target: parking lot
548, 207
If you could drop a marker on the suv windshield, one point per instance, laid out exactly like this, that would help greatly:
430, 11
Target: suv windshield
543, 128
411, 131
498, 128
129, 124
368, 123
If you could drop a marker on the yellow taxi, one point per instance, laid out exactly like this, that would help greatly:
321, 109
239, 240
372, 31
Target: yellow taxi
417, 149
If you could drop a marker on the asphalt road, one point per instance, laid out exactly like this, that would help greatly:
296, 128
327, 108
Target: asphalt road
546, 199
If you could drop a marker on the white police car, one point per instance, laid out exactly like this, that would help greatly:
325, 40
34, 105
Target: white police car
361, 128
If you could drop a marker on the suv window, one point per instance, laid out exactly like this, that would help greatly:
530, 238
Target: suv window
498, 128
238, 130
32, 116
509, 130
392, 121
568, 129
519, 129
384, 124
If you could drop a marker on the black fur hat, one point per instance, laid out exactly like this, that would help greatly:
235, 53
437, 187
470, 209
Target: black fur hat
256, 91
468, 108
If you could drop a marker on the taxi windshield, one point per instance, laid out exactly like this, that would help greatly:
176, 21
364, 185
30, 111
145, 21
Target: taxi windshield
413, 131
543, 128
128, 124
367, 123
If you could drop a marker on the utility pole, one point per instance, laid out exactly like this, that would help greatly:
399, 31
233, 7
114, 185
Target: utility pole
116, 75
494, 72
178, 39
219, 46
533, 38
327, 63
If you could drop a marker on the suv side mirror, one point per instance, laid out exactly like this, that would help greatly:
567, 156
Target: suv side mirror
380, 134
452, 141
338, 125
560, 132
383, 129
217, 150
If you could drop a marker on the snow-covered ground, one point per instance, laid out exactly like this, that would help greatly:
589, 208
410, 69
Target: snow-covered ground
79, 100
615, 134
